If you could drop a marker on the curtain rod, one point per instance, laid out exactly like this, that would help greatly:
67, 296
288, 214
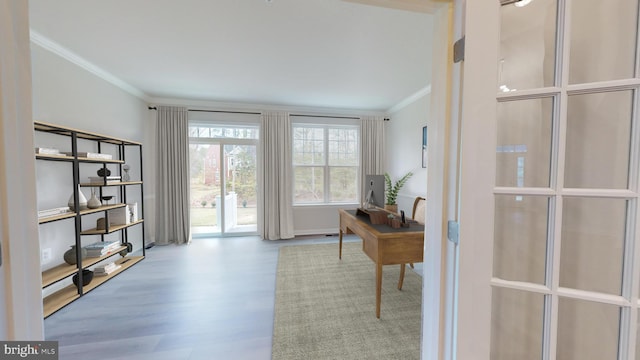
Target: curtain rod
214, 111
332, 117
255, 113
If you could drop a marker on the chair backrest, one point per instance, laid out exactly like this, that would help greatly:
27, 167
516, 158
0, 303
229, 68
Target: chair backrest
419, 207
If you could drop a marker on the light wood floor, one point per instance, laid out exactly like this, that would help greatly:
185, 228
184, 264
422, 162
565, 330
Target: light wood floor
212, 299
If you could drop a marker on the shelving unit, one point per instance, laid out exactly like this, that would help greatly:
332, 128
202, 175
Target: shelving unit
60, 273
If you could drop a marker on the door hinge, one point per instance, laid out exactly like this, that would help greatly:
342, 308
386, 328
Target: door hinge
458, 50
453, 232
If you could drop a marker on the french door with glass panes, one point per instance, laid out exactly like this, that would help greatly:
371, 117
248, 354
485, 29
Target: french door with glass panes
549, 189
223, 163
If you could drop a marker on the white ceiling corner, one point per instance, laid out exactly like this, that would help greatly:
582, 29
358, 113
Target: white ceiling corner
70, 56
410, 99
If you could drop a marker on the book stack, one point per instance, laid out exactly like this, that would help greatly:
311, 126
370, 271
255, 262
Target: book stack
47, 151
101, 179
121, 216
102, 248
91, 155
107, 269
53, 212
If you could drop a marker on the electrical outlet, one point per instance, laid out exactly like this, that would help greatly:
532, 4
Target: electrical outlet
45, 255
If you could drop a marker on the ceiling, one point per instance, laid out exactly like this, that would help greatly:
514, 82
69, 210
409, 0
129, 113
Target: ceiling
312, 53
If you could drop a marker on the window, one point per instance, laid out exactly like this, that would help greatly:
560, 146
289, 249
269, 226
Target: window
325, 163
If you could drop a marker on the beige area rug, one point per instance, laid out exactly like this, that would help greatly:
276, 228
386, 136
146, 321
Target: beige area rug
325, 307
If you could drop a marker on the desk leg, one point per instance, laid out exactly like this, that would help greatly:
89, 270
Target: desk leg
401, 280
378, 288
340, 236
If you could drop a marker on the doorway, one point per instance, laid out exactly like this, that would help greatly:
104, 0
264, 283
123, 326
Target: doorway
223, 179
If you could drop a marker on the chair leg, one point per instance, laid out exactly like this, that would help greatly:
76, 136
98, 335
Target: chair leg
401, 280
411, 264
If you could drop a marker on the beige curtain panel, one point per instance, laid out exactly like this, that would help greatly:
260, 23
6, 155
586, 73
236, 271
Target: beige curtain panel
371, 147
277, 176
173, 224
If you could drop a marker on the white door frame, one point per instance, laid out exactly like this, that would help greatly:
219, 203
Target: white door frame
477, 140
437, 295
456, 290
21, 314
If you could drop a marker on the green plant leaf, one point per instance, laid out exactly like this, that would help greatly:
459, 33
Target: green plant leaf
393, 189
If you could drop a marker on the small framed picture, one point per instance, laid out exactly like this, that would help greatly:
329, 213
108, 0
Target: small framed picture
424, 146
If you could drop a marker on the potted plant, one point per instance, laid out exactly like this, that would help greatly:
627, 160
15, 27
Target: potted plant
392, 189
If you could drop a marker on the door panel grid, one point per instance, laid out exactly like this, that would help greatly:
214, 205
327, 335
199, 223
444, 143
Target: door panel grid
584, 305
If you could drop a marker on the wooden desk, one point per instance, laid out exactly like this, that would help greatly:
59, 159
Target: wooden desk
383, 244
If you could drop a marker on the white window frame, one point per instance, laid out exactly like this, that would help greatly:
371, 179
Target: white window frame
326, 126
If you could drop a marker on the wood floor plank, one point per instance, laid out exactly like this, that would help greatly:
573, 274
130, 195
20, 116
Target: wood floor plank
211, 299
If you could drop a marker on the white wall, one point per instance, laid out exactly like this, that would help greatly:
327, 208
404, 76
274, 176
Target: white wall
68, 95
404, 149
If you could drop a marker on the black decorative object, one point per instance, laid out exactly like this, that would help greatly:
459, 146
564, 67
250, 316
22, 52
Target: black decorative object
106, 199
129, 248
104, 172
87, 276
70, 255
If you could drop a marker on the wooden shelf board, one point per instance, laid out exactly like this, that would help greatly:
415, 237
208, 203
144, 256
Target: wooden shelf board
89, 261
110, 183
65, 270
112, 228
68, 294
125, 263
101, 208
94, 160
46, 219
59, 299
63, 130
58, 157
57, 273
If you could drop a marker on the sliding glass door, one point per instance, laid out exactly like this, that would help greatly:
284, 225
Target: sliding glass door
223, 165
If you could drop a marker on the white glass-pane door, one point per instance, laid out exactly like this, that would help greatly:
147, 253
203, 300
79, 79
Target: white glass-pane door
240, 203
223, 188
206, 186
565, 271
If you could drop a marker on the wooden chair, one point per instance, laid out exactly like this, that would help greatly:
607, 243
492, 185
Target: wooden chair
417, 214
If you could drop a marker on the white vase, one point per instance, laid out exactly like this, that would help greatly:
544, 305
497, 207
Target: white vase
82, 201
93, 202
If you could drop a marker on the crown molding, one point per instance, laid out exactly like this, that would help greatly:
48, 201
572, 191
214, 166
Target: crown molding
410, 99
50, 45
230, 106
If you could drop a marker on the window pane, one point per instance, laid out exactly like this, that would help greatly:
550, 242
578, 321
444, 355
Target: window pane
523, 153
204, 162
587, 330
309, 184
516, 325
344, 184
520, 245
222, 131
593, 231
527, 46
598, 140
343, 147
603, 37
308, 146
